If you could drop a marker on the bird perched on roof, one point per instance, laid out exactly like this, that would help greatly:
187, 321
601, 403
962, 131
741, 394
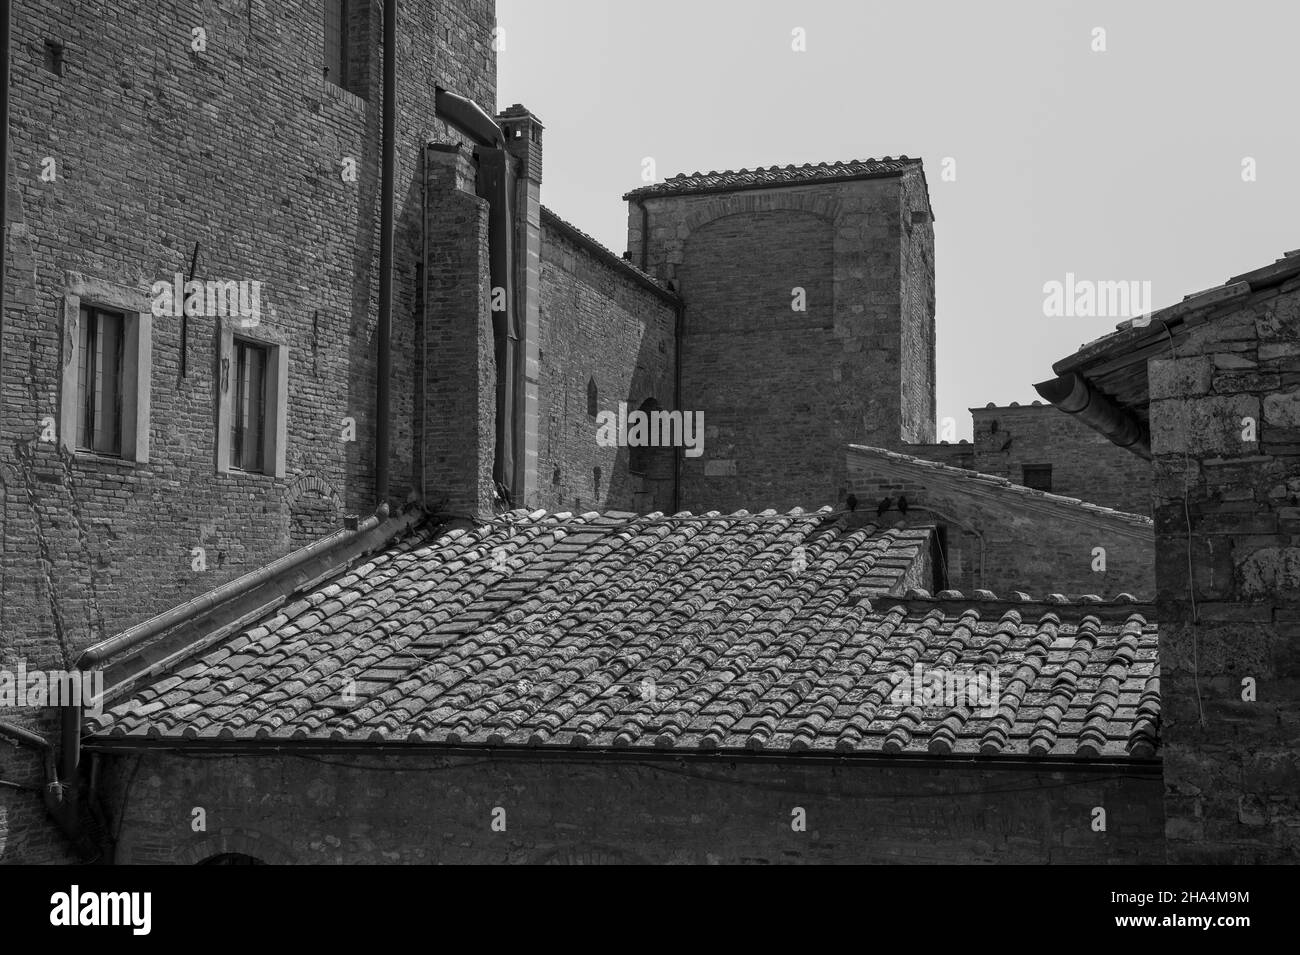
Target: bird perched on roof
885, 504
852, 502
1007, 445
902, 504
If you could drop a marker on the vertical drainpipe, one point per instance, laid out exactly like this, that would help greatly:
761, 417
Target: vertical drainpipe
384, 372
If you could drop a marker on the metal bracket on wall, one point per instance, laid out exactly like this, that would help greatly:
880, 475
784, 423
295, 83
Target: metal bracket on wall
185, 325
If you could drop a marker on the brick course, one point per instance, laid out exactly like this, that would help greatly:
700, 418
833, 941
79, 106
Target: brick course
437, 809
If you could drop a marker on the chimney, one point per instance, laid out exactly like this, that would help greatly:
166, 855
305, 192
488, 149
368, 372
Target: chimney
457, 425
523, 133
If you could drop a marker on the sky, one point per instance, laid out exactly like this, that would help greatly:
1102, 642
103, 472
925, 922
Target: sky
1171, 156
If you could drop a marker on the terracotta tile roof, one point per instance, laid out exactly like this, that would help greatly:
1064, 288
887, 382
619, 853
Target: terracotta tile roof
730, 180
711, 632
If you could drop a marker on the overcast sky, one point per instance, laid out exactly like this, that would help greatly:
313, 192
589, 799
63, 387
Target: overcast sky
1125, 164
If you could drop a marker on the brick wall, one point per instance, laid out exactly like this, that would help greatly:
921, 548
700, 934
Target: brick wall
27, 834
598, 325
457, 371
435, 809
1084, 463
1231, 755
783, 391
959, 455
239, 148
1003, 541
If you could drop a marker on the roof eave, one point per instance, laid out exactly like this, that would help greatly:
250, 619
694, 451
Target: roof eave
655, 192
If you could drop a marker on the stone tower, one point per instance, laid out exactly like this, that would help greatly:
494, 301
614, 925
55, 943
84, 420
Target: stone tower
808, 321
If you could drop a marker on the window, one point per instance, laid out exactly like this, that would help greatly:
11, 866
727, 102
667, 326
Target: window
99, 381
336, 32
248, 413
347, 31
1037, 476
252, 405
107, 363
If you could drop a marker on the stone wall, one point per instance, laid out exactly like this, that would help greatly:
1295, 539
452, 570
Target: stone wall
1225, 432
801, 330
1002, 539
1084, 463
600, 809
917, 368
601, 329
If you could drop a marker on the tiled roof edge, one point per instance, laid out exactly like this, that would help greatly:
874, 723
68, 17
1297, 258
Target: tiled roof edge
1131, 331
591, 245
1018, 599
994, 482
693, 184
181, 641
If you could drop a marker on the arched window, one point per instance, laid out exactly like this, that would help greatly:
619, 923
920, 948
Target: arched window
654, 461
593, 397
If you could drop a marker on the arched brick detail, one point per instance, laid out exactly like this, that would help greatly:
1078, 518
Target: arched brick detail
247, 842
767, 200
309, 483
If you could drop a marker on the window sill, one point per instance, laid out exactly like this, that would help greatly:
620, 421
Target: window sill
339, 94
91, 459
240, 473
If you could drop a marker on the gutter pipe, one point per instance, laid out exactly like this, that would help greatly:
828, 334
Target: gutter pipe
1075, 395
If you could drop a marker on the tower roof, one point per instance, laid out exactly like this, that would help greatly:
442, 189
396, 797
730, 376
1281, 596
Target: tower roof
775, 176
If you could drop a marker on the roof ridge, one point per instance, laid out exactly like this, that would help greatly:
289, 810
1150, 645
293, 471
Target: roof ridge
776, 175
994, 480
1020, 598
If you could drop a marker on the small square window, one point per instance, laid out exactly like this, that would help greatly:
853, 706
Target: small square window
1037, 476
